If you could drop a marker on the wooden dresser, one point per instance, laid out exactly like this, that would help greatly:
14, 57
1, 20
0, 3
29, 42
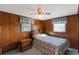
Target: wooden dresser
25, 44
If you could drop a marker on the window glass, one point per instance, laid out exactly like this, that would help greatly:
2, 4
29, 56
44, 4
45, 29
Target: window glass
59, 27
59, 24
26, 24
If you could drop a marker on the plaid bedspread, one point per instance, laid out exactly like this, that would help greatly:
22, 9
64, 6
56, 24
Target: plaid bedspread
50, 45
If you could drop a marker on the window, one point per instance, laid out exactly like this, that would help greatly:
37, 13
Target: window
25, 27
59, 25
26, 24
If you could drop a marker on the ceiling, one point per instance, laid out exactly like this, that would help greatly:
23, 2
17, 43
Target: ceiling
56, 10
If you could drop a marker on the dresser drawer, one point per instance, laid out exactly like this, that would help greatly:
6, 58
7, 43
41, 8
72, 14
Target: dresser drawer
25, 40
25, 44
25, 48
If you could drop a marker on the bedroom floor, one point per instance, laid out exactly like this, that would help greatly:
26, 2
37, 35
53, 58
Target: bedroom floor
32, 51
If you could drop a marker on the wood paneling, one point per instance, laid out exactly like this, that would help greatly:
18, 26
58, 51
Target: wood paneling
38, 23
0, 33
10, 33
71, 32
39, 26
47, 26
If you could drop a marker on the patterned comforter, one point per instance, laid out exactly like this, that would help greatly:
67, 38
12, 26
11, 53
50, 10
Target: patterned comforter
50, 45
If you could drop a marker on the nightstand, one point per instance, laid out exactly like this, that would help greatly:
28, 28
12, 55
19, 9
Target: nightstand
25, 44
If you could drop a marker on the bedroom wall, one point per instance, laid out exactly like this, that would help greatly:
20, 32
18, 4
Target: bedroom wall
48, 28
71, 33
10, 33
39, 27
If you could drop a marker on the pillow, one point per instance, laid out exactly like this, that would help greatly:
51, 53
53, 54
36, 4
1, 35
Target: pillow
43, 34
39, 35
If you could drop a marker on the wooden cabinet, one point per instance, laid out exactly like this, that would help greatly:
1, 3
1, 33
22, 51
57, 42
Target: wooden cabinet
25, 44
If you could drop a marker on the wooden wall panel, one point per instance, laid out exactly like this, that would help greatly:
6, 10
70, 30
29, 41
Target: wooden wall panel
10, 33
71, 32
38, 23
0, 33
6, 31
47, 26
3, 33
17, 28
39, 26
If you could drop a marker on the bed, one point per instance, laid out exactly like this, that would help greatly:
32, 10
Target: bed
50, 45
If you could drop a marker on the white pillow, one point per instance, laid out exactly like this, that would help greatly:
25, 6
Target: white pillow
42, 34
39, 35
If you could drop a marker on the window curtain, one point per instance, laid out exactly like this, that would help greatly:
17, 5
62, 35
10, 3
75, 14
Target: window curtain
60, 20
59, 25
26, 23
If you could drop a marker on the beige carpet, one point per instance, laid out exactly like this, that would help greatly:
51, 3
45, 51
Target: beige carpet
32, 51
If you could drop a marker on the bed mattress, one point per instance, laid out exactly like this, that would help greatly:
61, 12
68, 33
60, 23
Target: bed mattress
50, 45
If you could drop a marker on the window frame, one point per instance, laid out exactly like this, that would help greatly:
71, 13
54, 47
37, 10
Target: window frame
27, 21
60, 30
61, 20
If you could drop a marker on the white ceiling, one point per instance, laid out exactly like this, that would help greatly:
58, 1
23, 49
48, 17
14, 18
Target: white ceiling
56, 10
